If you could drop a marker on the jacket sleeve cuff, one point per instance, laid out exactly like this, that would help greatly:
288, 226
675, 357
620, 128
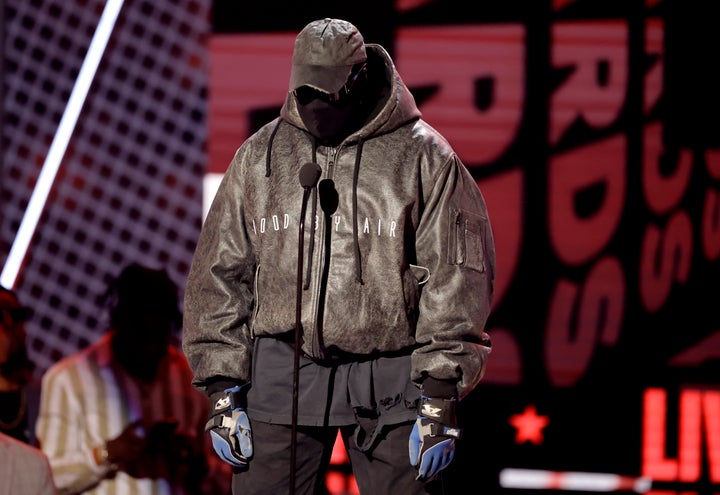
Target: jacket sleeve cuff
220, 383
443, 389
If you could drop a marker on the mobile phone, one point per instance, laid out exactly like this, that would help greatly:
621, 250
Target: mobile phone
162, 431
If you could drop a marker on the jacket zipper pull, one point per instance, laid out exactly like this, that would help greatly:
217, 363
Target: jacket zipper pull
331, 162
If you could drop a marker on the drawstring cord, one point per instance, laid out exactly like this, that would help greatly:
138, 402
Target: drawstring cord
269, 148
358, 264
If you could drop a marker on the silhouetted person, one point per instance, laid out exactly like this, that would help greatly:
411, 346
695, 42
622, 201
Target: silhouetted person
121, 416
19, 391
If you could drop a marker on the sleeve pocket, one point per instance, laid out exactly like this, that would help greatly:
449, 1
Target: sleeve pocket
465, 239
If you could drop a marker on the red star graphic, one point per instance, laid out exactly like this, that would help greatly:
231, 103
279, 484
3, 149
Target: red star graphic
529, 425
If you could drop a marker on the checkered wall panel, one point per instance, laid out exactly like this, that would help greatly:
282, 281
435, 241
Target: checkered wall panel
129, 187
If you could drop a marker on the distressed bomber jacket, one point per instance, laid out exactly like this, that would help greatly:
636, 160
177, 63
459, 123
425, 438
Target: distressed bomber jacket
398, 252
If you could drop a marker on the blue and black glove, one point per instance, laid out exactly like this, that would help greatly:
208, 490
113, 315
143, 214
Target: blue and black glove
432, 440
229, 426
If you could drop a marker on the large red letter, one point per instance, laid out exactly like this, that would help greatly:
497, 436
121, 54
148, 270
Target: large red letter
569, 348
654, 463
663, 191
578, 237
595, 91
479, 72
665, 258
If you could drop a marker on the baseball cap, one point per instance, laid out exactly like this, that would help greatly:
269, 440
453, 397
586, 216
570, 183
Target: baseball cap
325, 52
9, 302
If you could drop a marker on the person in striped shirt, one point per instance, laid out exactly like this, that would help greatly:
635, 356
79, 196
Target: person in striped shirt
121, 416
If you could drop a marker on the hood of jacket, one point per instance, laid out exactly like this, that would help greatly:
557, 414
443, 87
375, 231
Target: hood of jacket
395, 108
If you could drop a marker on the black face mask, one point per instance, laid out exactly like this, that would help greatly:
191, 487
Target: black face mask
333, 118
329, 120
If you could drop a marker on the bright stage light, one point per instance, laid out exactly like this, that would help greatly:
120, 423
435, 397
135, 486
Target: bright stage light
35, 206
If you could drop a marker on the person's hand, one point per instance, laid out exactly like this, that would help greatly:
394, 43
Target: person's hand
229, 427
432, 440
128, 448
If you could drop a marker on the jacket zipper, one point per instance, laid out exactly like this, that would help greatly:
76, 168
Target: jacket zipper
456, 239
332, 155
311, 334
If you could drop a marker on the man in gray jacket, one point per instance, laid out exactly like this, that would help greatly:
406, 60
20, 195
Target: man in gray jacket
370, 322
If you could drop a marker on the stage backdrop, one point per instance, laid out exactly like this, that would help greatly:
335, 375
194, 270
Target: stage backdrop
592, 128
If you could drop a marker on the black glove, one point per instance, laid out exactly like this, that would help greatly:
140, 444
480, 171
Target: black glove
229, 426
432, 440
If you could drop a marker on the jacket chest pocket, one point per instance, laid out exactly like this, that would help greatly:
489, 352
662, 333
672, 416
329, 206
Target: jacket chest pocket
465, 239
